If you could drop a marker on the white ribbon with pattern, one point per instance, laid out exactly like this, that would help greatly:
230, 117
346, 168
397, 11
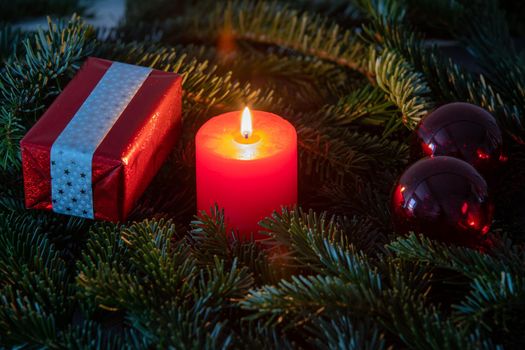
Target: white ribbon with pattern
72, 152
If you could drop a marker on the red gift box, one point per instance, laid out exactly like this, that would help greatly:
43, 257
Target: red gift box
95, 150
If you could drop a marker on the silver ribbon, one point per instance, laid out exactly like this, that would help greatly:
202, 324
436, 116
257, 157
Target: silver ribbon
72, 152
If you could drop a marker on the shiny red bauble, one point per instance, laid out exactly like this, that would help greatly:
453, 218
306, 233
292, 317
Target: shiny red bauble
463, 131
444, 198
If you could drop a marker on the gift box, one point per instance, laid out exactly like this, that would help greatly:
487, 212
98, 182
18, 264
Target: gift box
95, 150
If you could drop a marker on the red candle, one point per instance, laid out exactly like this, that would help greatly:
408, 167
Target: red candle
248, 167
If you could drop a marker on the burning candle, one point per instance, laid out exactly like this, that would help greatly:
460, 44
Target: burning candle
247, 165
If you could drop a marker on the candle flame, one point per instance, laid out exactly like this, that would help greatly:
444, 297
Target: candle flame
246, 123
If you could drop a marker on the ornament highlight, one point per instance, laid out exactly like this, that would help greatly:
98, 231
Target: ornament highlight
444, 198
463, 131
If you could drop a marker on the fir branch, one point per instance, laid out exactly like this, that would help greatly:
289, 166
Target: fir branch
310, 237
99, 272
367, 198
425, 328
496, 284
403, 85
24, 246
203, 89
366, 235
503, 249
10, 39
448, 81
91, 335
209, 239
306, 82
209, 236
360, 291
331, 151
65, 233
484, 31
183, 327
299, 231
366, 105
219, 284
119, 273
350, 266
302, 298
105, 246
341, 332
271, 23
380, 10
11, 131
32, 77
258, 261
494, 304
152, 255
335, 154
35, 288
396, 293
141, 271
469, 262
353, 285
25, 323
258, 335
327, 157
196, 321
56, 51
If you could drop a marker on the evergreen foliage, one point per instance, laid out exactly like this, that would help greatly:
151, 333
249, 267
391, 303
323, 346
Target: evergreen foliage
354, 77
28, 81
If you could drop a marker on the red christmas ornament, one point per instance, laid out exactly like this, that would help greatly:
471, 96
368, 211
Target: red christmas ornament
444, 198
463, 131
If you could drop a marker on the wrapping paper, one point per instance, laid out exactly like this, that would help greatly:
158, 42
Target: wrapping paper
95, 150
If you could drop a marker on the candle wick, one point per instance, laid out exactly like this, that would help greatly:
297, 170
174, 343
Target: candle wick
246, 135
